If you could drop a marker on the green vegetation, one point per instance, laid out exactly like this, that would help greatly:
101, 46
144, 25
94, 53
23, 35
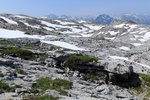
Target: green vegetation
146, 79
1, 74
44, 97
31, 46
20, 71
136, 90
91, 77
145, 86
22, 53
81, 58
147, 96
59, 85
4, 86
77, 59
5, 42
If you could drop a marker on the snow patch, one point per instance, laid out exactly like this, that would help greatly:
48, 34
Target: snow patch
9, 20
48, 29
124, 48
22, 17
31, 25
64, 45
136, 44
133, 26
126, 59
19, 34
119, 26
118, 58
65, 23
113, 32
93, 27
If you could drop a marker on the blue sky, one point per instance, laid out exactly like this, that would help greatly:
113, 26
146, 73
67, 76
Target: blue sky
75, 7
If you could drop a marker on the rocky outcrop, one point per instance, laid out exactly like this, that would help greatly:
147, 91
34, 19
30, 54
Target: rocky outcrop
120, 74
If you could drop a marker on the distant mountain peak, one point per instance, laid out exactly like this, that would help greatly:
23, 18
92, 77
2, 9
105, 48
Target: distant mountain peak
140, 19
104, 19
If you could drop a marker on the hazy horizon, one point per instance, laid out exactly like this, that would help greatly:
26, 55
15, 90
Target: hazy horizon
75, 7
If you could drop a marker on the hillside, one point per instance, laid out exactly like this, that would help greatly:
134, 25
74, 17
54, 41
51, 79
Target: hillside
72, 59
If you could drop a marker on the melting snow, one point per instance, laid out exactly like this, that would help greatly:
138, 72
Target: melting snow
136, 44
113, 33
94, 27
23, 17
33, 26
146, 36
124, 48
49, 29
119, 26
9, 21
133, 26
64, 45
65, 23
126, 59
118, 58
52, 25
112, 38
17, 34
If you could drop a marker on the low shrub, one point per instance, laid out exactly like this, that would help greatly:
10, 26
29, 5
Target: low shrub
5, 87
43, 97
59, 85
18, 52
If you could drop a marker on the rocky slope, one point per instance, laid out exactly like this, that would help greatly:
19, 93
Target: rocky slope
73, 60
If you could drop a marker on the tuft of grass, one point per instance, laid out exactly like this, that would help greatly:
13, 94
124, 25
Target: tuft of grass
31, 46
91, 77
5, 87
18, 52
81, 58
43, 97
59, 85
145, 77
20, 71
136, 90
77, 59
1, 74
5, 42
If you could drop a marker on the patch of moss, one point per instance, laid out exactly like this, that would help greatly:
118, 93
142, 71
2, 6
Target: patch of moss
31, 46
1, 74
78, 59
136, 90
148, 93
91, 77
4, 86
18, 52
20, 71
59, 85
144, 86
145, 77
43, 97
81, 58
5, 42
